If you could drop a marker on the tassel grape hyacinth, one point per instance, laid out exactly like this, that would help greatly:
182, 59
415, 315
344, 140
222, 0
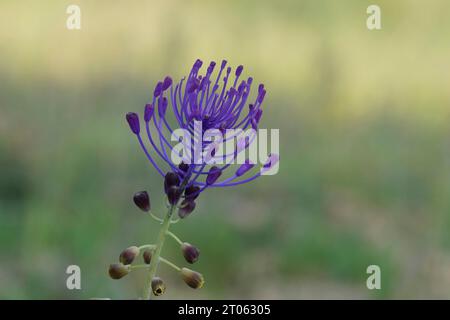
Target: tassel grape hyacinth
216, 103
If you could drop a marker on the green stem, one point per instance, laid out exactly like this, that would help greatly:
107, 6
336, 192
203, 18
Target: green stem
147, 246
156, 218
139, 266
147, 295
157, 253
174, 237
170, 263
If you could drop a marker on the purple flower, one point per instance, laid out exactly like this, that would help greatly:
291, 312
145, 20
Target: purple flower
219, 102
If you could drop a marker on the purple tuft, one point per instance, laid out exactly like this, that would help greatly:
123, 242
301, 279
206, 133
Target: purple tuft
199, 97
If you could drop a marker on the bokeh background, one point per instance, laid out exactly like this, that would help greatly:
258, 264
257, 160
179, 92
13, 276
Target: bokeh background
364, 126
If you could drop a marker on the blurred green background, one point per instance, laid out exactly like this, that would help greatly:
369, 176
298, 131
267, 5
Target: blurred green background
364, 126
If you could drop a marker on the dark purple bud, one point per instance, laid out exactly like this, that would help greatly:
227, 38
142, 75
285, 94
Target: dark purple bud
166, 83
148, 112
192, 278
170, 180
239, 70
191, 192
228, 70
224, 63
118, 270
128, 255
142, 200
186, 208
158, 286
183, 167
244, 168
249, 81
147, 255
133, 122
213, 174
190, 252
158, 89
173, 194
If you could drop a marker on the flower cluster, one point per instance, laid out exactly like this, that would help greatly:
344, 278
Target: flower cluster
220, 104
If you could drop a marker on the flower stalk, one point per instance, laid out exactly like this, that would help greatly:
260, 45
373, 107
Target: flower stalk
194, 99
147, 294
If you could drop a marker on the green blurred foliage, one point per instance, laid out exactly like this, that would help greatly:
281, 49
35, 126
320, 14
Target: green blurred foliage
363, 117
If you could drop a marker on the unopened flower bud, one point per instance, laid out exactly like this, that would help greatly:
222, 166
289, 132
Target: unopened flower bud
183, 167
158, 286
171, 180
173, 195
191, 192
147, 255
192, 278
142, 200
128, 255
190, 252
118, 270
186, 207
